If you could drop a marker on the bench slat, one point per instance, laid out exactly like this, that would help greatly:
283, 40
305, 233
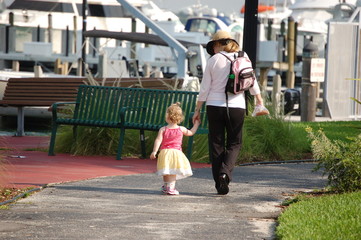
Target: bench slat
44, 103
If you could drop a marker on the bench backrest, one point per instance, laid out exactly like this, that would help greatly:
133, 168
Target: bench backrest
146, 107
40, 91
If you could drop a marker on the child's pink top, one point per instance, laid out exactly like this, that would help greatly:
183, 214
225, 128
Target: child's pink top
172, 139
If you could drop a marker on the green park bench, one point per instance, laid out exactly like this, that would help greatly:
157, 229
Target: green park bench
125, 108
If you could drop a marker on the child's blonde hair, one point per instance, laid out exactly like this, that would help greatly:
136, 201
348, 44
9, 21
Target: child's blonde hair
175, 113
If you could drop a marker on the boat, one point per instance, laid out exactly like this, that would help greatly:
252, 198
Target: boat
48, 30
312, 17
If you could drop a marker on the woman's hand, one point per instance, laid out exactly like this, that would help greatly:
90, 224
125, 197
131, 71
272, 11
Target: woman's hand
197, 114
196, 117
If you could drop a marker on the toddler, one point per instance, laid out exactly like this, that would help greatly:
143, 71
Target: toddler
172, 164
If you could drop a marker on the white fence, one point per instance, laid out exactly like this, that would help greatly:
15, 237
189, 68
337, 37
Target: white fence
342, 68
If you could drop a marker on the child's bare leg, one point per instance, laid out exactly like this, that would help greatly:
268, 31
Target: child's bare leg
169, 181
169, 178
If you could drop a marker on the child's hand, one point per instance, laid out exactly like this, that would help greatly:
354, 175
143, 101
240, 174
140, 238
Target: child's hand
197, 122
153, 155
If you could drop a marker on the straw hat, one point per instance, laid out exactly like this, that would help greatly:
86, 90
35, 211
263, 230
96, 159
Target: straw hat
221, 36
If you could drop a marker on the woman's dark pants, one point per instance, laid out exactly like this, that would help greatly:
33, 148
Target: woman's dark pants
225, 138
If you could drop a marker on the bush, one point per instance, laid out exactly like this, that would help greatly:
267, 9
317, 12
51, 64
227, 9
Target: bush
100, 141
340, 160
270, 138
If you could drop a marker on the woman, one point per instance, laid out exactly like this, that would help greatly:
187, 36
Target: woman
225, 129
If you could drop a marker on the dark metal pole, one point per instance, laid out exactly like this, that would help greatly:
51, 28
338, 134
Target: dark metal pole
50, 28
7, 38
83, 50
67, 41
250, 36
38, 34
11, 19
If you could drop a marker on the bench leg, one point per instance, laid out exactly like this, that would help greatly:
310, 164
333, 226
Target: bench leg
190, 147
20, 130
142, 144
52, 140
120, 144
75, 127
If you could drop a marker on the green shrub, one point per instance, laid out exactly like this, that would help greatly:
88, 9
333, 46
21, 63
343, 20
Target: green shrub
89, 141
200, 151
341, 161
269, 138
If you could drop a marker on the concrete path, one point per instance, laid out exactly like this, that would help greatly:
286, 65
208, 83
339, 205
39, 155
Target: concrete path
132, 207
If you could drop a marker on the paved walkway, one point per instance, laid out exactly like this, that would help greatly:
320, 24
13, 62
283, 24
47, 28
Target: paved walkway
25, 167
127, 204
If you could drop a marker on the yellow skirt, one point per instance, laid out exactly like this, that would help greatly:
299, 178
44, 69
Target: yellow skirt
173, 162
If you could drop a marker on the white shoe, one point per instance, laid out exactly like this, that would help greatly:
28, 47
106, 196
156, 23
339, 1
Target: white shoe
172, 191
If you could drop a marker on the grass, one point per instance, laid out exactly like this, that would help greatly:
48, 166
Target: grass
334, 130
7, 194
335, 216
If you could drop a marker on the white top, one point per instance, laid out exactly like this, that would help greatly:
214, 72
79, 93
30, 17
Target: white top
214, 82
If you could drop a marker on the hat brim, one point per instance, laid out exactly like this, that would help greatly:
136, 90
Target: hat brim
210, 44
209, 47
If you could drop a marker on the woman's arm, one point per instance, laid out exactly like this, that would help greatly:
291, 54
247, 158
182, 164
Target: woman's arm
259, 100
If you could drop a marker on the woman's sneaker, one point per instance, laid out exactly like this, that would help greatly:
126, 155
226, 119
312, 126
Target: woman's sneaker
172, 191
222, 187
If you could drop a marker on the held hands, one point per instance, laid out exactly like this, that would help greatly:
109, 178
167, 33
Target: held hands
196, 118
196, 122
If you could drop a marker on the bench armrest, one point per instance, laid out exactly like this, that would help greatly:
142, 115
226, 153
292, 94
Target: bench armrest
123, 111
54, 108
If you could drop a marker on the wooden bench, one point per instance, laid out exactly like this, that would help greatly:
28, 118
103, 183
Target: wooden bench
43, 92
125, 108
38, 92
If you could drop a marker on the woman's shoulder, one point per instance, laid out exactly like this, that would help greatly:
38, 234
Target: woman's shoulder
218, 56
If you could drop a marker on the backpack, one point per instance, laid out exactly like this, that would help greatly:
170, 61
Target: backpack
241, 76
